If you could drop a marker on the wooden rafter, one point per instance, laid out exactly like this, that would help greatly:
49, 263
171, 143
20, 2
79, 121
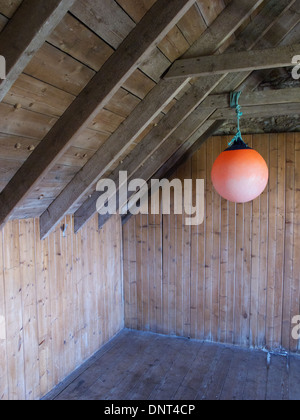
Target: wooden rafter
257, 98
258, 111
25, 34
238, 12
269, 58
159, 135
150, 31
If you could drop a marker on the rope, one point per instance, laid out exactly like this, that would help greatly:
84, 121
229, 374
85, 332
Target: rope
234, 103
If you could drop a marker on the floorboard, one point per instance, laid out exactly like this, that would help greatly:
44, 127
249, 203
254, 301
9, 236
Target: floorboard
144, 366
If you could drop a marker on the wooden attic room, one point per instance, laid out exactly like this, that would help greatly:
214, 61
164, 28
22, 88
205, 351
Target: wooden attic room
97, 304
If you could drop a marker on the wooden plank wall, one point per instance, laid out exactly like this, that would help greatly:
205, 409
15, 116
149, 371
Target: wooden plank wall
234, 279
60, 301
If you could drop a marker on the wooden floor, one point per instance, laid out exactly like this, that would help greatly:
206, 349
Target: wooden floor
142, 366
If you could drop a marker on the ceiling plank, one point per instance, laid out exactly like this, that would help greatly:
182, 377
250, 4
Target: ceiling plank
105, 18
150, 31
231, 19
269, 58
158, 136
25, 34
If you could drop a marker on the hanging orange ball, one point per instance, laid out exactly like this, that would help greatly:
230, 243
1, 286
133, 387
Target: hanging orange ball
240, 174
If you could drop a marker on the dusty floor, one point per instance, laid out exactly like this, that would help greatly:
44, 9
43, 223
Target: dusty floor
142, 366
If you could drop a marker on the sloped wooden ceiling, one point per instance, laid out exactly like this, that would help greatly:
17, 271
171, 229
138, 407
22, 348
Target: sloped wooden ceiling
144, 124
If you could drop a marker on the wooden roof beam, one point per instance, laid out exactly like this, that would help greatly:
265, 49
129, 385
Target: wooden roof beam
259, 111
256, 98
25, 34
155, 25
269, 58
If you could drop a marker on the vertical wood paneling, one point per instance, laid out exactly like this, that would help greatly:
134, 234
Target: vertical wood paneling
255, 259
126, 273
295, 289
158, 272
247, 252
179, 254
169, 271
200, 253
263, 251
231, 290
289, 239
224, 265
29, 308
3, 332
235, 278
216, 238
60, 301
273, 197
280, 241
14, 316
195, 292
42, 281
208, 244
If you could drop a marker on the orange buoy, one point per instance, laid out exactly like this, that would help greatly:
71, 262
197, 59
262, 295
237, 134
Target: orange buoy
240, 174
